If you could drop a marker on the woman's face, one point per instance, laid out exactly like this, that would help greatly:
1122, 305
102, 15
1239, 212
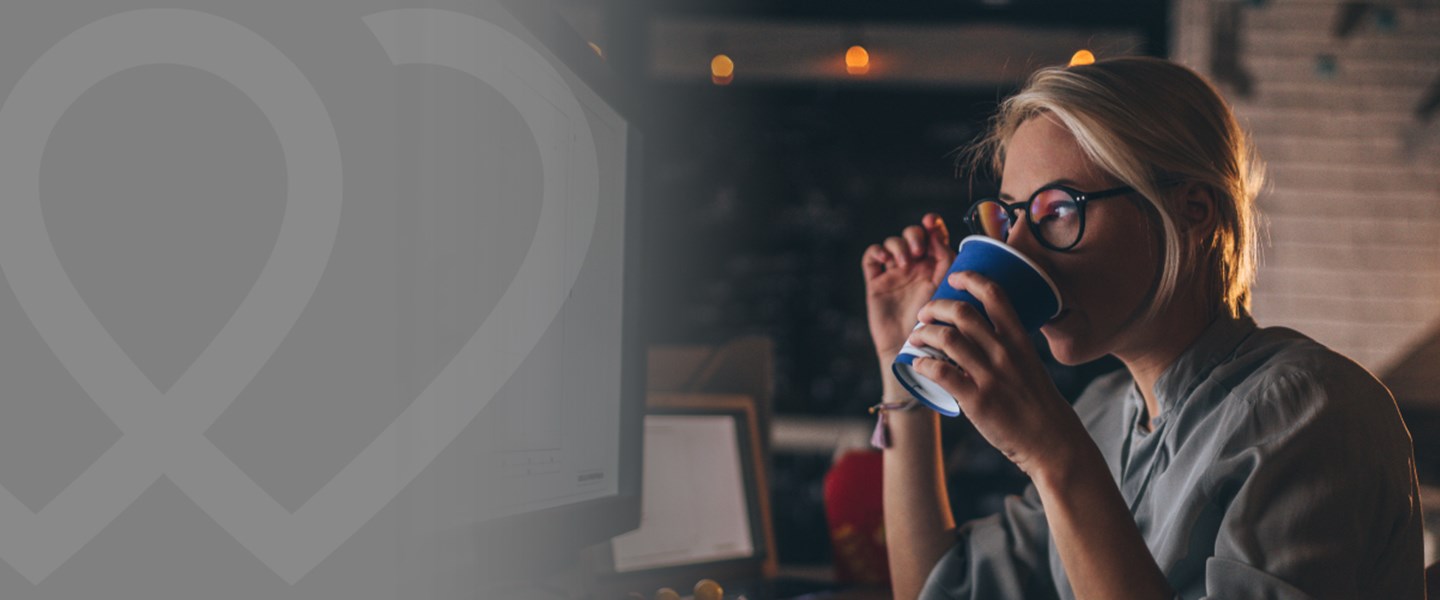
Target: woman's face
1106, 280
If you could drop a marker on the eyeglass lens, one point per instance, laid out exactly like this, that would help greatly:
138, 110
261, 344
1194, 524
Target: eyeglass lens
1054, 212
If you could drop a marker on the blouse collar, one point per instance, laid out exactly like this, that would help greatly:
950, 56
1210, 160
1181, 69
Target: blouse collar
1216, 344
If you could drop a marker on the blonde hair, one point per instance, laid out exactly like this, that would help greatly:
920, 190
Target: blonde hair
1148, 122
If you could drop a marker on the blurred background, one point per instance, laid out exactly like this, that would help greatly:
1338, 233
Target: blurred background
785, 136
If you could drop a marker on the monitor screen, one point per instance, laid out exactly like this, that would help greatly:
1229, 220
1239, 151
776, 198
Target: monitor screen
559, 449
560, 441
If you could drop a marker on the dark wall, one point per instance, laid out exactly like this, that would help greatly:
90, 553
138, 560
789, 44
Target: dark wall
765, 200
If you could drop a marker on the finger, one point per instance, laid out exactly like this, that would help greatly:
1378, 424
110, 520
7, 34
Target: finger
873, 261
880, 254
915, 235
899, 249
997, 304
950, 377
967, 320
954, 344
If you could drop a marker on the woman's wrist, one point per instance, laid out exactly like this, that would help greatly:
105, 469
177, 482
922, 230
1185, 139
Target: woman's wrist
1073, 463
890, 388
916, 412
887, 356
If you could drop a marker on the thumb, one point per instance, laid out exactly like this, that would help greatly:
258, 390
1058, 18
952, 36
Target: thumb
939, 236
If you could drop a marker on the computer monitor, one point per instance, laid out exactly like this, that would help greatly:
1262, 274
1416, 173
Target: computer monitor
563, 466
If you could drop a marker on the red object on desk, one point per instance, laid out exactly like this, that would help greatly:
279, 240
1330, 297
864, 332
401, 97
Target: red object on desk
857, 519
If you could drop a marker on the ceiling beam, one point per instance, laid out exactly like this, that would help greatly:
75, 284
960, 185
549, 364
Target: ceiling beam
1138, 13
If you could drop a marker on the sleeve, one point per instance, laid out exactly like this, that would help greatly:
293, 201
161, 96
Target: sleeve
1004, 555
1319, 497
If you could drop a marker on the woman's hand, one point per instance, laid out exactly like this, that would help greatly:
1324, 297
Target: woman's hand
900, 275
998, 377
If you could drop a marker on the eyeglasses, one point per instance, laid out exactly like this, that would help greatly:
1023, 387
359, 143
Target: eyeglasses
1055, 214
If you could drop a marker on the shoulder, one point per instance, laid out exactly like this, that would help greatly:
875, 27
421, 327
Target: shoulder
1278, 371
1283, 387
1311, 452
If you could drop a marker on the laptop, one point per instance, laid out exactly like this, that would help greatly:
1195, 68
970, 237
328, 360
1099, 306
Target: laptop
705, 508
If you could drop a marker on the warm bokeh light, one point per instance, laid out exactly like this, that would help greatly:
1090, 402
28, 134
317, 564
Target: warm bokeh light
1082, 57
857, 60
598, 52
722, 69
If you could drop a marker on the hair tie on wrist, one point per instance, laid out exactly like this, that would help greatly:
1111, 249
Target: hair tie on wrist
880, 439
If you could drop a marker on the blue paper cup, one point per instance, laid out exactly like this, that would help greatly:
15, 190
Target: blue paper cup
1031, 292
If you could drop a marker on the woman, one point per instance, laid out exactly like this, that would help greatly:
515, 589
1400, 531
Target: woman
1224, 460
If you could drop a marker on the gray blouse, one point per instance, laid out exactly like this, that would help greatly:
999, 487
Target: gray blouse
1277, 468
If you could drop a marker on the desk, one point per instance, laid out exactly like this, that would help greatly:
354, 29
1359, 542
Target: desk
825, 574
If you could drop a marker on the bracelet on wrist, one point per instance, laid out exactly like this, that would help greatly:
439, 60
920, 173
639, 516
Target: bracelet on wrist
880, 439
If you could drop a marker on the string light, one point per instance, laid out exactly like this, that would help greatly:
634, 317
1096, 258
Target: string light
1082, 57
857, 60
722, 70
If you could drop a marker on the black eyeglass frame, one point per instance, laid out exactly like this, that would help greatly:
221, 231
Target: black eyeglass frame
1080, 198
